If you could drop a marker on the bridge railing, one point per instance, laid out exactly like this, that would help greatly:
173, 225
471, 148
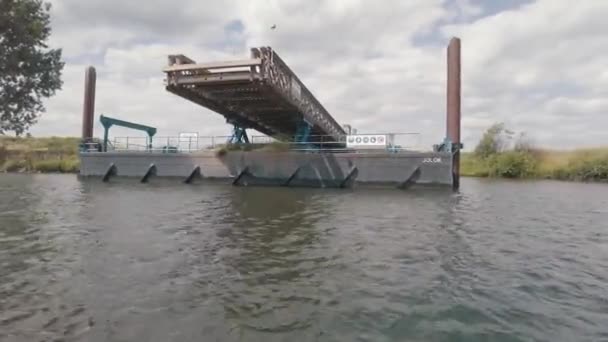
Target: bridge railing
285, 82
395, 142
282, 102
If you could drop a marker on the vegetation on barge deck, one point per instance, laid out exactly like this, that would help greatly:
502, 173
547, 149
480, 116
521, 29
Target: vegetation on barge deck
39, 154
502, 153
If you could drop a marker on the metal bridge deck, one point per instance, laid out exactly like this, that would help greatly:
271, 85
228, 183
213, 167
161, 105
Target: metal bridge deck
260, 93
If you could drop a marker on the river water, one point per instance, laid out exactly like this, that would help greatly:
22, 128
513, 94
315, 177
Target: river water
498, 261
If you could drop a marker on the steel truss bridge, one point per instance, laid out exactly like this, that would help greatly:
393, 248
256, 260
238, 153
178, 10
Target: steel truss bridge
261, 93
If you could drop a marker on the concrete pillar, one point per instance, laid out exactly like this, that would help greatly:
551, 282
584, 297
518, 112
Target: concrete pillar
453, 104
88, 108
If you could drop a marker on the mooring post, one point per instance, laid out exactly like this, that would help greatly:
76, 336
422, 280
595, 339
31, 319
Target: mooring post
453, 107
88, 108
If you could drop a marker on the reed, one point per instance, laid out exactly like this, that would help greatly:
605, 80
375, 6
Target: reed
577, 165
27, 154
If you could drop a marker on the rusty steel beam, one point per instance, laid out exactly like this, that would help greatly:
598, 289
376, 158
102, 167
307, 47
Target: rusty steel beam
179, 59
453, 104
219, 78
260, 93
217, 65
242, 99
88, 108
231, 116
291, 88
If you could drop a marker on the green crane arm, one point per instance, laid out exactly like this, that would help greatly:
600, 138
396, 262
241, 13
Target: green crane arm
108, 122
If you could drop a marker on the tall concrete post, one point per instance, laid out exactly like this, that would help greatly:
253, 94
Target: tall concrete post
88, 108
453, 105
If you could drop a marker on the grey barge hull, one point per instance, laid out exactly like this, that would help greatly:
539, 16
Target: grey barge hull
262, 93
260, 168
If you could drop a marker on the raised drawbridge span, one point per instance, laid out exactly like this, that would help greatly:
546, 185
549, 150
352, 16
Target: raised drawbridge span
261, 93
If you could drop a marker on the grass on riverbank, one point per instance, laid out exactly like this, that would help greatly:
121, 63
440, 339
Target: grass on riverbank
57, 154
54, 154
502, 153
578, 165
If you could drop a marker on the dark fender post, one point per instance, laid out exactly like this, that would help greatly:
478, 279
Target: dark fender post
411, 180
349, 180
237, 180
111, 171
291, 178
88, 108
453, 106
149, 173
196, 173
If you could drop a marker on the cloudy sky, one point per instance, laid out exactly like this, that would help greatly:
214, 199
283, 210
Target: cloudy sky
539, 66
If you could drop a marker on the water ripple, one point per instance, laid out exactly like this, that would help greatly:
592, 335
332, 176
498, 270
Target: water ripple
499, 261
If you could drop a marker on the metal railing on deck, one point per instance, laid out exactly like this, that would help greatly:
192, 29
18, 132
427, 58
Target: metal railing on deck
395, 142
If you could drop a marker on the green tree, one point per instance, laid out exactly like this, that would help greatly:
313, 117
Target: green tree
523, 143
493, 141
29, 70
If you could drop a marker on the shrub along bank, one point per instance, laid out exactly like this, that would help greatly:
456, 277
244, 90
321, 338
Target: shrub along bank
52, 154
578, 165
490, 159
499, 155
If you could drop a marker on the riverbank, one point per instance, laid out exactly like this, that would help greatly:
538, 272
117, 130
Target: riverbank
53, 154
60, 154
576, 165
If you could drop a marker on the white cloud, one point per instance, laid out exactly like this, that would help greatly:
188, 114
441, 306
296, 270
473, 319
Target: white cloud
539, 67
